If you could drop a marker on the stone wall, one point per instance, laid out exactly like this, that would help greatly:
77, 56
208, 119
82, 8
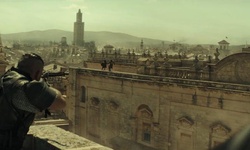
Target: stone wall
155, 113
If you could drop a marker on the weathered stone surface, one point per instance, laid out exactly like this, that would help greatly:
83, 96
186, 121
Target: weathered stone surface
166, 102
62, 139
160, 112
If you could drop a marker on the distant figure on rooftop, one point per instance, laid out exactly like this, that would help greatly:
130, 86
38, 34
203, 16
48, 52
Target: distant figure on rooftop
104, 64
111, 63
22, 95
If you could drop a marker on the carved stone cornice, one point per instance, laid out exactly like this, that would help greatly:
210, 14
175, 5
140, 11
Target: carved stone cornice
113, 105
162, 80
95, 101
185, 122
219, 130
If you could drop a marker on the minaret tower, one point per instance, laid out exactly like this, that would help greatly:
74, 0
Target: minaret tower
79, 30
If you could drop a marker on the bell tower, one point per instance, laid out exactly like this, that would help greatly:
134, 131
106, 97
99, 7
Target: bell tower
78, 30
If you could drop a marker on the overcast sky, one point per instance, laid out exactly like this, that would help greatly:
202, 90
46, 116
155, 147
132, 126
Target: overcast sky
189, 21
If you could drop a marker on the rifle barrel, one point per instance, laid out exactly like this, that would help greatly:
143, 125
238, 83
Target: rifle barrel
54, 74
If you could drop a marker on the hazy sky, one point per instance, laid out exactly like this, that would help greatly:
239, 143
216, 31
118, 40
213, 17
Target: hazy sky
189, 21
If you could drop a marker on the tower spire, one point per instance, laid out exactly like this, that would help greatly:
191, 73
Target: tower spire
78, 30
79, 16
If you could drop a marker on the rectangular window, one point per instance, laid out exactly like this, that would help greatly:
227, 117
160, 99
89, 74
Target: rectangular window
146, 132
146, 137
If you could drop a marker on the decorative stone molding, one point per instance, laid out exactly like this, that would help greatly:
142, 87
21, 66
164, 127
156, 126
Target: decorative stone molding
146, 114
163, 80
220, 130
95, 101
113, 105
185, 122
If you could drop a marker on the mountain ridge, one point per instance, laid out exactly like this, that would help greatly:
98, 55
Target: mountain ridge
100, 37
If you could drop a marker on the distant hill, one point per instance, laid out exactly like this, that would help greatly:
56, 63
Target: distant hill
100, 37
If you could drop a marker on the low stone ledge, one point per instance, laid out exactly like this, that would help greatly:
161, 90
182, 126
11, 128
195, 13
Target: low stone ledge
52, 137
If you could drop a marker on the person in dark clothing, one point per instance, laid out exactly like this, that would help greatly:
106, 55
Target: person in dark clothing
104, 64
22, 95
111, 63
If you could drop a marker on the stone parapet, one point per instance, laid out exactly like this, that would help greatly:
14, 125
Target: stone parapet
51, 137
165, 80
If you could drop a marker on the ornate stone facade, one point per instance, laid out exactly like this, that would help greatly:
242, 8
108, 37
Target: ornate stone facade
160, 112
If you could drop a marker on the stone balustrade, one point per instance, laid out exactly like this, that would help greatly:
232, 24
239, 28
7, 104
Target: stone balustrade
167, 80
